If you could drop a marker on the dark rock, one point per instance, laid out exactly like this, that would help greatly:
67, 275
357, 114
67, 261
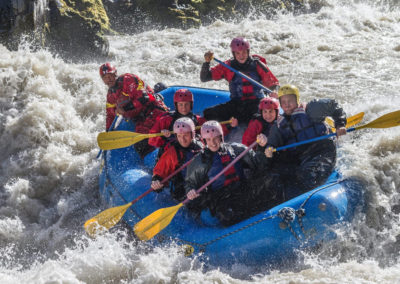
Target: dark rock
73, 29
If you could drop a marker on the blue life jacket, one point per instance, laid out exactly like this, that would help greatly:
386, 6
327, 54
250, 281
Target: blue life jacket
299, 127
219, 162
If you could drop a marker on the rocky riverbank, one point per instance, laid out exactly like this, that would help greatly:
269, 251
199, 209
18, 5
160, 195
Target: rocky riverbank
77, 29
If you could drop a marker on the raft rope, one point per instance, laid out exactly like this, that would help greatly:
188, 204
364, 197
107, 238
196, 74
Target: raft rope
287, 214
300, 213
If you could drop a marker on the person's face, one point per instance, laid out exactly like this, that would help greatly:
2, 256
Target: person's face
184, 139
288, 103
109, 79
269, 115
214, 143
241, 56
183, 107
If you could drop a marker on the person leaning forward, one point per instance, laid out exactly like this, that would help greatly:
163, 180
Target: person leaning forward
131, 97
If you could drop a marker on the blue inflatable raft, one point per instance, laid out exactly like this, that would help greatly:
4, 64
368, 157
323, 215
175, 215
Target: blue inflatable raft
269, 237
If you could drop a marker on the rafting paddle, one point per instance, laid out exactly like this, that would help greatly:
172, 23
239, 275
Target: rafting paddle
151, 225
120, 139
110, 217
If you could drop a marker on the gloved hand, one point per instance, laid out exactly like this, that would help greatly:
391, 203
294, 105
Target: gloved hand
166, 132
192, 194
208, 56
157, 186
262, 140
269, 152
234, 122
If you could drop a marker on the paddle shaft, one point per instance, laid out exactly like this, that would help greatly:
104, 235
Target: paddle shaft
254, 82
223, 171
109, 129
310, 140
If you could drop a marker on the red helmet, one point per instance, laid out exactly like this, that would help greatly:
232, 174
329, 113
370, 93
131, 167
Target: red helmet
107, 68
239, 44
183, 125
268, 103
183, 95
211, 129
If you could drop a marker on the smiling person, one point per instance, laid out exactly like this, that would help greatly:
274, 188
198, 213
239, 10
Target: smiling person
225, 198
131, 97
183, 101
307, 166
181, 151
262, 122
245, 97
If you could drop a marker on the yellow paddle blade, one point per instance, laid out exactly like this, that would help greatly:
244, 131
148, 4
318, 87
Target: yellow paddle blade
155, 222
120, 139
355, 119
391, 119
105, 220
351, 121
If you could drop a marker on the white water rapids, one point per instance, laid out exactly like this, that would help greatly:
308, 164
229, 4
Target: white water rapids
52, 111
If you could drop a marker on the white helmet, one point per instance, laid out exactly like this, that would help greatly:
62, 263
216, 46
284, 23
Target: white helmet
211, 129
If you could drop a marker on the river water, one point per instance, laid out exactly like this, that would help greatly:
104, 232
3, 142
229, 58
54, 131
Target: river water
52, 111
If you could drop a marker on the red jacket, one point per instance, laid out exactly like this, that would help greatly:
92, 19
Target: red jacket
256, 126
130, 93
169, 161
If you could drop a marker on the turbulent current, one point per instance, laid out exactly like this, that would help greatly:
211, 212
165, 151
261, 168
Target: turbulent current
52, 111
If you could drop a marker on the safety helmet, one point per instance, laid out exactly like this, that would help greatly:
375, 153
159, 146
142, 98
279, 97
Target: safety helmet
268, 103
239, 44
211, 129
183, 125
289, 90
159, 87
183, 95
107, 68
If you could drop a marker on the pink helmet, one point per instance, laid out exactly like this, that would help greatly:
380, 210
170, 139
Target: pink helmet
183, 125
183, 95
107, 68
239, 44
268, 103
211, 129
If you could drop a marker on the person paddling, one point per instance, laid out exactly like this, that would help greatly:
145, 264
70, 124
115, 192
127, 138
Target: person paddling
180, 151
245, 97
305, 167
262, 122
183, 101
224, 197
131, 97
